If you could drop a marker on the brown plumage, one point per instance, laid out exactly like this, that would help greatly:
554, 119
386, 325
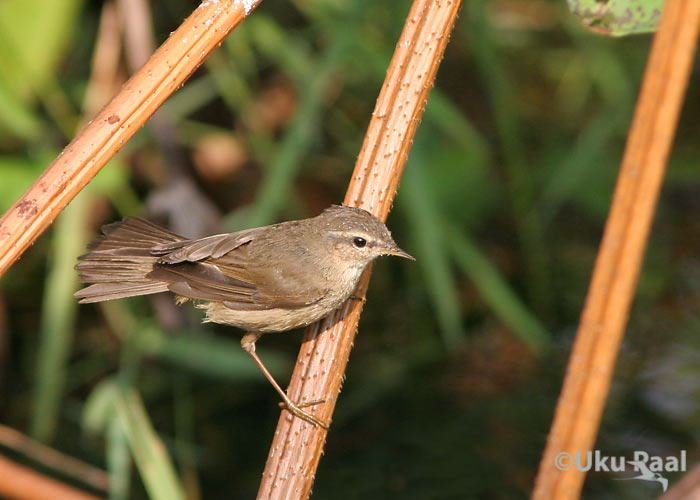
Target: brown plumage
267, 279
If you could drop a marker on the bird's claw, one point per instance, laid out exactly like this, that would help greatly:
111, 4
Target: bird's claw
296, 410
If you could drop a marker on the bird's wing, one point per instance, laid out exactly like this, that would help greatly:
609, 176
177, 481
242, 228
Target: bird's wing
222, 268
211, 247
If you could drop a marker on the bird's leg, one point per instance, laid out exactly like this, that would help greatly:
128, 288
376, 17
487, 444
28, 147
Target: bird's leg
248, 343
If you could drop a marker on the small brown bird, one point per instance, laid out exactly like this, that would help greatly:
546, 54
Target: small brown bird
267, 279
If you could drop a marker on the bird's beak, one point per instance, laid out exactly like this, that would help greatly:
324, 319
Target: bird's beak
399, 253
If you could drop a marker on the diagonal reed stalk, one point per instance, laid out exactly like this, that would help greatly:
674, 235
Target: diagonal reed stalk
22, 483
612, 286
165, 72
297, 446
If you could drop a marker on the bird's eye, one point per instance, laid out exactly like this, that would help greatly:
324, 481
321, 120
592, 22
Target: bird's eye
359, 242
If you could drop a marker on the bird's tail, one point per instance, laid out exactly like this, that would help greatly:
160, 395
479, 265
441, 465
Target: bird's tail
117, 265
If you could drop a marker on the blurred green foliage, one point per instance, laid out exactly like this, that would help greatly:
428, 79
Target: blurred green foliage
460, 356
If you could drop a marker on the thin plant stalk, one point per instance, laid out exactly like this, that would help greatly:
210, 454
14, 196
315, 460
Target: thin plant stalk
297, 445
592, 362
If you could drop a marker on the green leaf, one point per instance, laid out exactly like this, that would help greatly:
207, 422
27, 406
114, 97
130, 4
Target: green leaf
100, 417
58, 318
279, 178
213, 356
17, 117
99, 407
497, 294
433, 254
112, 181
150, 455
33, 40
618, 17
17, 174
118, 460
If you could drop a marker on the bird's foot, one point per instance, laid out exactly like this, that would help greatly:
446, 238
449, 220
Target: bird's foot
296, 410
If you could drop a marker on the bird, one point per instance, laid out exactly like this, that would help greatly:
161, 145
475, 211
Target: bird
262, 280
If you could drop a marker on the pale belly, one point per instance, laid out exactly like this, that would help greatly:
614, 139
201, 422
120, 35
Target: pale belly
270, 320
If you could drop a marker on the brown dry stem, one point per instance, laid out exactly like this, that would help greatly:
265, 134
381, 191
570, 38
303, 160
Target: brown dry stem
101, 138
88, 474
21, 483
685, 489
604, 316
297, 445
